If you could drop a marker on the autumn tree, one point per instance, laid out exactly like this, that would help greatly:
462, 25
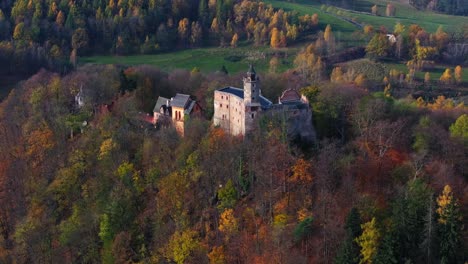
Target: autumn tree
228, 224
460, 128
450, 225
390, 10
329, 38
446, 77
275, 38
337, 75
458, 74
183, 245
375, 10
369, 241
234, 40
80, 39
441, 38
378, 46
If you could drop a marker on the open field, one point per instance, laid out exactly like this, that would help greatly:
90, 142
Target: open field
206, 59
405, 14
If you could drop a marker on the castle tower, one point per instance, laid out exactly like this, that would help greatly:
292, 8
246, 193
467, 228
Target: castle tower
251, 88
251, 99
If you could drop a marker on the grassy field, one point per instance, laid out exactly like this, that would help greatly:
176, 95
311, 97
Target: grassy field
405, 14
206, 59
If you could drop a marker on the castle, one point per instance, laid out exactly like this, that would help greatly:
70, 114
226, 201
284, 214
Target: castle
236, 110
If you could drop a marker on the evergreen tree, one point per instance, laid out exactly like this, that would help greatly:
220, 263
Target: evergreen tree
387, 254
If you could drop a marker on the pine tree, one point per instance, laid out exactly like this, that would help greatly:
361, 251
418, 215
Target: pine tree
386, 253
349, 250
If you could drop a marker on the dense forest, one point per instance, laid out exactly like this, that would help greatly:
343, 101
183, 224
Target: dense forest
384, 182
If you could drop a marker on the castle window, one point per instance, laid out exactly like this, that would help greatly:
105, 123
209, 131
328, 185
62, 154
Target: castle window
222, 97
253, 97
227, 106
220, 105
252, 115
253, 91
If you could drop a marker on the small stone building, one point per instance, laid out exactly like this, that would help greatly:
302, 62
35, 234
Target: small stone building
236, 110
175, 111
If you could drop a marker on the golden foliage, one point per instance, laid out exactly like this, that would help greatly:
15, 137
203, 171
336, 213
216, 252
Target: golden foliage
234, 40
217, 255
107, 146
302, 172
368, 241
458, 74
275, 41
443, 201
446, 76
228, 223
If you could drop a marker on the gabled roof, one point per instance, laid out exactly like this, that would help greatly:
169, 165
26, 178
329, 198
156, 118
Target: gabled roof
290, 95
189, 109
180, 100
161, 101
264, 102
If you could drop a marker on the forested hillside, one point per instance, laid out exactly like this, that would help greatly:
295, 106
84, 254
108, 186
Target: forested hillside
385, 182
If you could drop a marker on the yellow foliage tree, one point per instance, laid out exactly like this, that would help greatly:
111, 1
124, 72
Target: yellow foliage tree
446, 76
444, 199
368, 29
275, 41
361, 80
399, 28
182, 245
302, 172
228, 223
328, 34
458, 74
368, 241
234, 40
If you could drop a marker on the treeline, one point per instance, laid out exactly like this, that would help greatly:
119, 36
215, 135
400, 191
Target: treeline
115, 190
66, 29
445, 6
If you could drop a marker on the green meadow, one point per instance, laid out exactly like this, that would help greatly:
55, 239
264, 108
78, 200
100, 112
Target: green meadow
205, 59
